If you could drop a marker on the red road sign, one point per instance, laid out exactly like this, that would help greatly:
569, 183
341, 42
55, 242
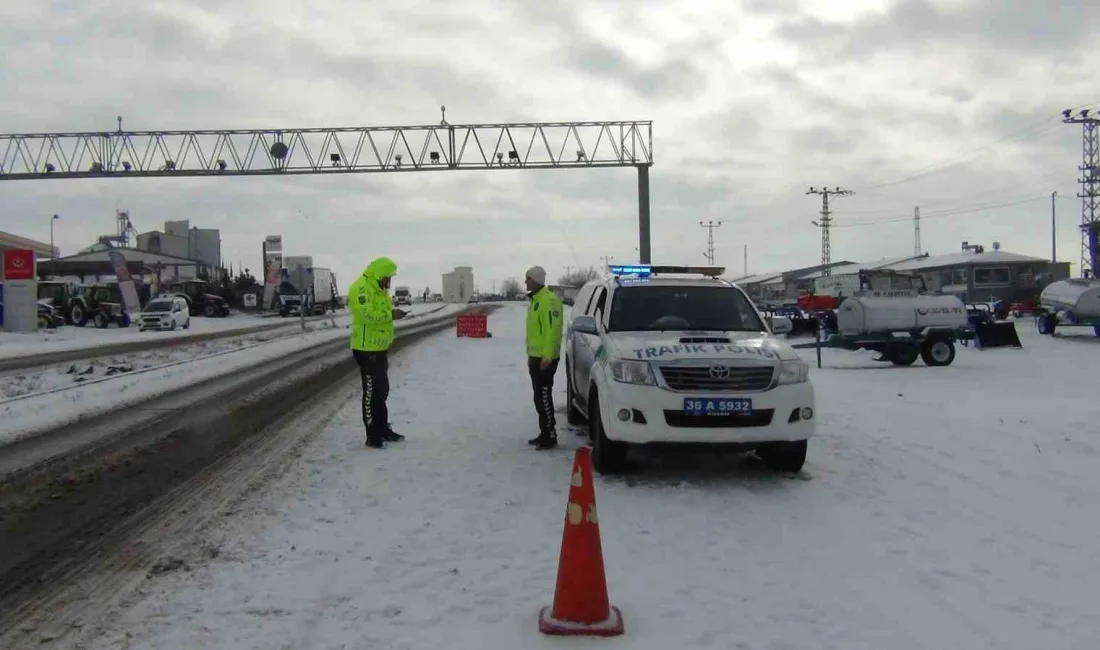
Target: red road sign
475, 326
19, 264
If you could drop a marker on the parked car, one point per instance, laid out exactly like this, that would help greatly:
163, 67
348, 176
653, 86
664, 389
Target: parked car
665, 357
48, 316
166, 313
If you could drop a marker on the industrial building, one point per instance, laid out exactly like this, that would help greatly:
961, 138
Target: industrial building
179, 239
180, 252
93, 264
973, 274
980, 275
458, 285
9, 241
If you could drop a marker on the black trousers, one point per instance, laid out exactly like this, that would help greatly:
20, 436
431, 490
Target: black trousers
542, 385
374, 371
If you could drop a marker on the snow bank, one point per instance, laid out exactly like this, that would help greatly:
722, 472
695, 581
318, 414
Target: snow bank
23, 416
17, 344
941, 508
65, 375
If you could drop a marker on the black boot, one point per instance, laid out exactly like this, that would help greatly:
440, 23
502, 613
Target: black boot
392, 436
545, 441
375, 442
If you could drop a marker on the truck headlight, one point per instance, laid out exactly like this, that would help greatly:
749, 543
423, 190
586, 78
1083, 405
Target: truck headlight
632, 372
794, 371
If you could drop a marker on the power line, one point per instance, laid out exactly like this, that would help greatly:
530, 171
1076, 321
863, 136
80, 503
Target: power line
1037, 183
946, 213
825, 222
1037, 129
941, 167
710, 226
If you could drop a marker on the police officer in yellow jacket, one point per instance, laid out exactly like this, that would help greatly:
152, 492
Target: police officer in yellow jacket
372, 316
544, 330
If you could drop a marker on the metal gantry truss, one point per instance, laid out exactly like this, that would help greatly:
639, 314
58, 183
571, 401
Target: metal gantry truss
257, 152
1090, 187
274, 152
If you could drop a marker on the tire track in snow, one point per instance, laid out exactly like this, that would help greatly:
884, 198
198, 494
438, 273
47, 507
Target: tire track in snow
166, 529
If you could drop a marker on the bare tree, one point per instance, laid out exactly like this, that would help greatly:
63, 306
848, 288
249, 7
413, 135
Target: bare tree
579, 277
511, 289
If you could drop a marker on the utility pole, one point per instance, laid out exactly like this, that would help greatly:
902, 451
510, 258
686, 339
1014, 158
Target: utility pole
606, 259
746, 260
710, 226
1053, 228
1090, 187
916, 231
825, 223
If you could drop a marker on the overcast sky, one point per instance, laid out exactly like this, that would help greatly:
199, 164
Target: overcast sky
950, 105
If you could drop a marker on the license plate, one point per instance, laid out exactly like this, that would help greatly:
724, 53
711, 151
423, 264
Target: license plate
717, 406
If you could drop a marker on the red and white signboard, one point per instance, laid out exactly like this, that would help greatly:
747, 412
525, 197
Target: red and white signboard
19, 264
20, 291
474, 325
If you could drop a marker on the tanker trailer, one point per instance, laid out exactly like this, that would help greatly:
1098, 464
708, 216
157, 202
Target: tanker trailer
1074, 303
901, 326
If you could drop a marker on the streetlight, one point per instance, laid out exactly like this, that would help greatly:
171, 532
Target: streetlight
53, 251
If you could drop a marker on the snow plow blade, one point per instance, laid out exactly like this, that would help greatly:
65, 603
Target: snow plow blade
802, 327
997, 335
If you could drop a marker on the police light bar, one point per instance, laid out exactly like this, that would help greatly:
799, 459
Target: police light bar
641, 270
645, 270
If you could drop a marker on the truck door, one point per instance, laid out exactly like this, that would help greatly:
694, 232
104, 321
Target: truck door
573, 343
587, 345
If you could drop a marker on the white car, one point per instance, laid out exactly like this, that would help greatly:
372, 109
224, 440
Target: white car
165, 313
683, 358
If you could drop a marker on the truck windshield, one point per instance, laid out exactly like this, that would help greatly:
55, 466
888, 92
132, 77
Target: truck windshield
49, 290
700, 308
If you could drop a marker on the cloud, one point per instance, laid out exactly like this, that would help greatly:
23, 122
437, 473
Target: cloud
1014, 29
946, 105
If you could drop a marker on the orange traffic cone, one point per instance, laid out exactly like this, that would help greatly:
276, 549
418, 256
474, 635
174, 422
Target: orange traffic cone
581, 606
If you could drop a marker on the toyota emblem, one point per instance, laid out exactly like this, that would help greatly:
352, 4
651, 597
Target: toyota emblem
719, 372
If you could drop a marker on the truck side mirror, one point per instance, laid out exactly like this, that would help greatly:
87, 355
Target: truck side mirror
585, 325
781, 324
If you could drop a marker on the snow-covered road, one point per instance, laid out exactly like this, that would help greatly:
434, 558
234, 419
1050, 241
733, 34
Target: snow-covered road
940, 508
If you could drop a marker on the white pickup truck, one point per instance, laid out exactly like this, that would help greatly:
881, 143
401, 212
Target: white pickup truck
676, 355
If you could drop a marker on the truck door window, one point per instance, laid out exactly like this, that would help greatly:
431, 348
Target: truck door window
601, 303
588, 301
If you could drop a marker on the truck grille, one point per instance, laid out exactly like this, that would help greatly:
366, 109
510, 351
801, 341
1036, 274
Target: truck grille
758, 418
699, 378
